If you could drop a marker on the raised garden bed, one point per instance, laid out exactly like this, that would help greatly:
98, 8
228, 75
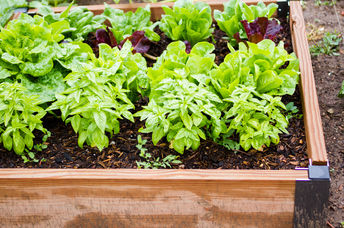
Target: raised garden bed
122, 197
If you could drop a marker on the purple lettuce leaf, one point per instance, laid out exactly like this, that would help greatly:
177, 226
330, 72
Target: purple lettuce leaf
261, 28
187, 46
140, 43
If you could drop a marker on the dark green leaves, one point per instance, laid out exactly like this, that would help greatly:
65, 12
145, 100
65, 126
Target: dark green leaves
187, 21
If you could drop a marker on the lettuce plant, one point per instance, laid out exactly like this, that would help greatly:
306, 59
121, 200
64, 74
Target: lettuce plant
30, 45
31, 52
258, 65
251, 82
261, 28
235, 11
20, 115
187, 21
97, 96
124, 25
81, 20
257, 118
181, 105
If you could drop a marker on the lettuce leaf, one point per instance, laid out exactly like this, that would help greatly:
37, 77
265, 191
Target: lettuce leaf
261, 28
236, 11
31, 44
258, 65
124, 25
81, 20
187, 21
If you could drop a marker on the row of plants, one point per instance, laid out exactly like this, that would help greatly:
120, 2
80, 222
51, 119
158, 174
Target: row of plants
46, 66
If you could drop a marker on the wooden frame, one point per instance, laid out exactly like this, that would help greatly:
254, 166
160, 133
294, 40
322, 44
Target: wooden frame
174, 198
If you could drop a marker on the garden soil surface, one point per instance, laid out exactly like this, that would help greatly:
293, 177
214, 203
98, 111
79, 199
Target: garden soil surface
329, 74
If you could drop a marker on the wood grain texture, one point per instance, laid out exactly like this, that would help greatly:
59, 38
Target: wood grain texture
316, 147
156, 9
147, 198
147, 174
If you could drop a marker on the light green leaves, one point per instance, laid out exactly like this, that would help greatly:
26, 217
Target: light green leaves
20, 115
31, 45
182, 107
80, 21
341, 92
260, 66
257, 118
97, 96
187, 21
125, 24
236, 10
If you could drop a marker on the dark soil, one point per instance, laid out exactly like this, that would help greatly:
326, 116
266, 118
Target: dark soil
329, 74
63, 151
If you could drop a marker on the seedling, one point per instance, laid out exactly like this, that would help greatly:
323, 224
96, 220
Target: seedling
149, 162
329, 45
292, 111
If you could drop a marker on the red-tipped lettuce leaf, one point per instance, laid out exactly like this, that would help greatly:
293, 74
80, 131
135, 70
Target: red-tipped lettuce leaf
141, 44
187, 46
261, 28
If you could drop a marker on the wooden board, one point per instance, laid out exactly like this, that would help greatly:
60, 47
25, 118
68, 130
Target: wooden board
147, 198
316, 147
155, 8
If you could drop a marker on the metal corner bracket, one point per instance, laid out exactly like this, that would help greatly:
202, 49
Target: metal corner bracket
311, 197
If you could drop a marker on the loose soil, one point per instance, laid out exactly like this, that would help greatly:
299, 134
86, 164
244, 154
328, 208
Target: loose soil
63, 151
329, 74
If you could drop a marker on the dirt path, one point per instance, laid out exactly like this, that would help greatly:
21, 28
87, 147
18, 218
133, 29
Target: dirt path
329, 73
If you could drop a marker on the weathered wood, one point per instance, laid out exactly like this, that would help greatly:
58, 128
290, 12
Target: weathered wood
316, 148
147, 198
155, 8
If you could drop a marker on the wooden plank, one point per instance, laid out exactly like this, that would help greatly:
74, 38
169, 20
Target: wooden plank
156, 9
147, 174
316, 147
147, 198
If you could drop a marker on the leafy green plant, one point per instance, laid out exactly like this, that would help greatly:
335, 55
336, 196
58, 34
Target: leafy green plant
151, 163
81, 20
29, 45
258, 65
7, 9
20, 115
181, 106
96, 98
325, 3
236, 11
341, 92
30, 53
292, 111
329, 45
187, 21
124, 25
257, 118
